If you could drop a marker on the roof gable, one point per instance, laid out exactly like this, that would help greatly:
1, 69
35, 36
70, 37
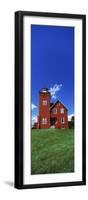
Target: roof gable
58, 101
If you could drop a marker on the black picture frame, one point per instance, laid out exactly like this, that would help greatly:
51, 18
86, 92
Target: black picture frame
19, 98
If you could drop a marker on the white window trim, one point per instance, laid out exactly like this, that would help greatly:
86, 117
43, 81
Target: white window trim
61, 110
55, 111
44, 102
44, 121
62, 120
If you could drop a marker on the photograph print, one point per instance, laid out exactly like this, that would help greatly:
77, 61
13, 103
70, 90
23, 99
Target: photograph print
50, 99
52, 87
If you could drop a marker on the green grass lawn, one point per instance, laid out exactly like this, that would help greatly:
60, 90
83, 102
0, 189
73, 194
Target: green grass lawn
52, 151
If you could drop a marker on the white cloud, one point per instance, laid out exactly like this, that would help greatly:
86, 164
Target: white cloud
34, 119
53, 90
69, 117
34, 106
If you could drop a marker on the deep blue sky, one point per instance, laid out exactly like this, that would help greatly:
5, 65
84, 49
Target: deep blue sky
53, 63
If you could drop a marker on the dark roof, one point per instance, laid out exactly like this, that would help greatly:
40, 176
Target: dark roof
44, 90
58, 101
51, 104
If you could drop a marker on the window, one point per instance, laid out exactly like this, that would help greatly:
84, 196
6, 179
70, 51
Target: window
62, 120
44, 121
62, 110
44, 102
55, 111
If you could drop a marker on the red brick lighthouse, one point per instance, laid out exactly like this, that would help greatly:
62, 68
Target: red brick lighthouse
53, 115
44, 108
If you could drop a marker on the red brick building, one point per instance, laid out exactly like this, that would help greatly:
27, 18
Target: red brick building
51, 115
